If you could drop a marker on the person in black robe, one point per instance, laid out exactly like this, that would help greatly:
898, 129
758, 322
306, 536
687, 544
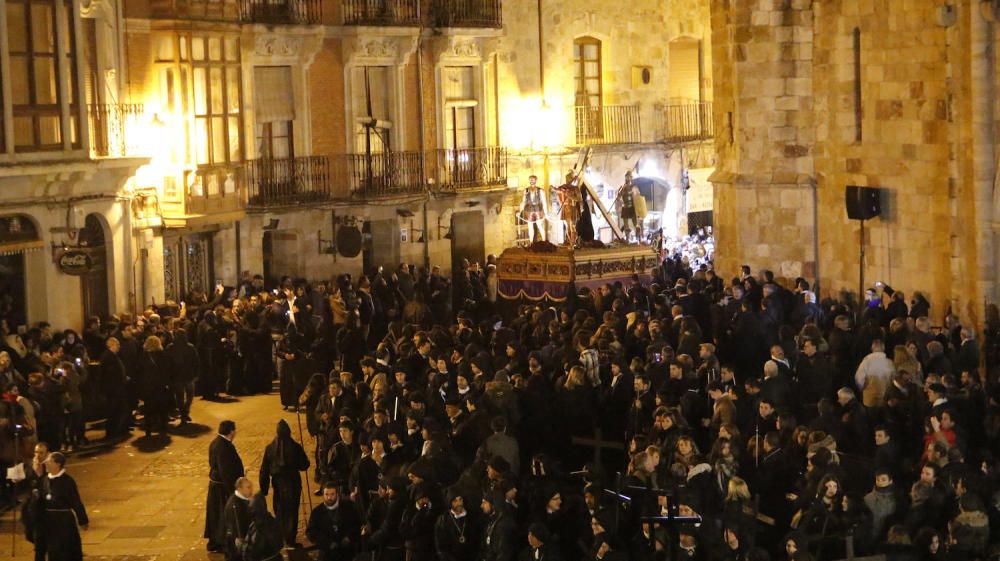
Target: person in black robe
584, 224
115, 380
58, 514
283, 460
185, 367
225, 467
334, 526
154, 385
236, 519
264, 535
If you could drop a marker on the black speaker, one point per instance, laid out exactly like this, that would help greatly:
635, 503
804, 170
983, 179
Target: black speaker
863, 203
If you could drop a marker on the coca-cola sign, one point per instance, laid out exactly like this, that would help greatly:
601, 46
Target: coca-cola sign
75, 262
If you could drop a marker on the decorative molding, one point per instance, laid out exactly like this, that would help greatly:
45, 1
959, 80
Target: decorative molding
379, 51
272, 45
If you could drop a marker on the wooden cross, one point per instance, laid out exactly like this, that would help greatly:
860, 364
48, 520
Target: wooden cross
597, 443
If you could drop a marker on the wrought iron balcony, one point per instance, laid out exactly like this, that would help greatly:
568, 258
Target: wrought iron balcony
209, 10
467, 13
381, 175
381, 12
433, 13
275, 182
110, 125
471, 168
608, 124
301, 12
686, 122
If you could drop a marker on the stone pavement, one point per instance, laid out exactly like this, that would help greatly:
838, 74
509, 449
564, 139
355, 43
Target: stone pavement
146, 496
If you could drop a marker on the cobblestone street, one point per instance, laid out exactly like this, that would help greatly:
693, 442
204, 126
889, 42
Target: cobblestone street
146, 496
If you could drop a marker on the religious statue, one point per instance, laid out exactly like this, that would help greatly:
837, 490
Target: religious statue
569, 201
632, 207
533, 208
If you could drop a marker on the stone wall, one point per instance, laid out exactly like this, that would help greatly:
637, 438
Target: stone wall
785, 78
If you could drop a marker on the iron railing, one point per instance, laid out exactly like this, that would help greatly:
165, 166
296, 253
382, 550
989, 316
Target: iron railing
435, 13
381, 12
608, 124
287, 181
380, 175
466, 13
687, 122
303, 12
110, 124
212, 10
470, 168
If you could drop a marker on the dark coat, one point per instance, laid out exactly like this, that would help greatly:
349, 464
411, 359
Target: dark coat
335, 531
224, 468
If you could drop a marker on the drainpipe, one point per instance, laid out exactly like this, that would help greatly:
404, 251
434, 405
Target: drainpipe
984, 153
420, 132
239, 261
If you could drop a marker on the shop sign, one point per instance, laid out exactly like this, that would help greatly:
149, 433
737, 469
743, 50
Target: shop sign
76, 262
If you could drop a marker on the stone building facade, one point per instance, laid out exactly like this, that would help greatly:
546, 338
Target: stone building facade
811, 97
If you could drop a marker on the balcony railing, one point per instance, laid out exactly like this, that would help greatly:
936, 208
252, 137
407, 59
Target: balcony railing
434, 13
211, 10
608, 124
287, 181
686, 122
466, 13
303, 12
381, 12
381, 175
110, 124
470, 168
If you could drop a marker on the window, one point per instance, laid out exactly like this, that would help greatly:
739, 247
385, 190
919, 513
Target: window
274, 140
587, 71
274, 111
460, 107
40, 44
215, 72
371, 86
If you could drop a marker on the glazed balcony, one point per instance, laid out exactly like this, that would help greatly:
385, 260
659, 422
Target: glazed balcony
217, 189
278, 182
208, 10
467, 13
686, 122
471, 168
608, 124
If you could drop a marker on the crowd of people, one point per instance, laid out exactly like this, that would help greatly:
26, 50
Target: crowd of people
683, 416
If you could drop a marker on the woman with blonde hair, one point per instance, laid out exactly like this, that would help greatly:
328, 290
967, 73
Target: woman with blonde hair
154, 385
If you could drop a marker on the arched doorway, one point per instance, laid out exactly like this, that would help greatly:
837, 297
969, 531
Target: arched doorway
18, 235
94, 283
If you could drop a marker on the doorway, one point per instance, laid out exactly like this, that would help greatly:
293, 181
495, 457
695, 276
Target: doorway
467, 241
281, 256
94, 283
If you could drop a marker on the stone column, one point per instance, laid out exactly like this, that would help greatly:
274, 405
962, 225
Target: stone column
765, 176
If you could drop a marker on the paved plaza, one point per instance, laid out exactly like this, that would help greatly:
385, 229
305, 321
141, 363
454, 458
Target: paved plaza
146, 496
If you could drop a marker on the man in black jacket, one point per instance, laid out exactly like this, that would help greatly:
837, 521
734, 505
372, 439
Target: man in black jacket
115, 380
334, 526
499, 530
386, 539
224, 468
184, 358
236, 519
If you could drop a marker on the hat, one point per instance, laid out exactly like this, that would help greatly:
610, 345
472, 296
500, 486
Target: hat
499, 464
398, 483
453, 400
421, 491
937, 388
540, 532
